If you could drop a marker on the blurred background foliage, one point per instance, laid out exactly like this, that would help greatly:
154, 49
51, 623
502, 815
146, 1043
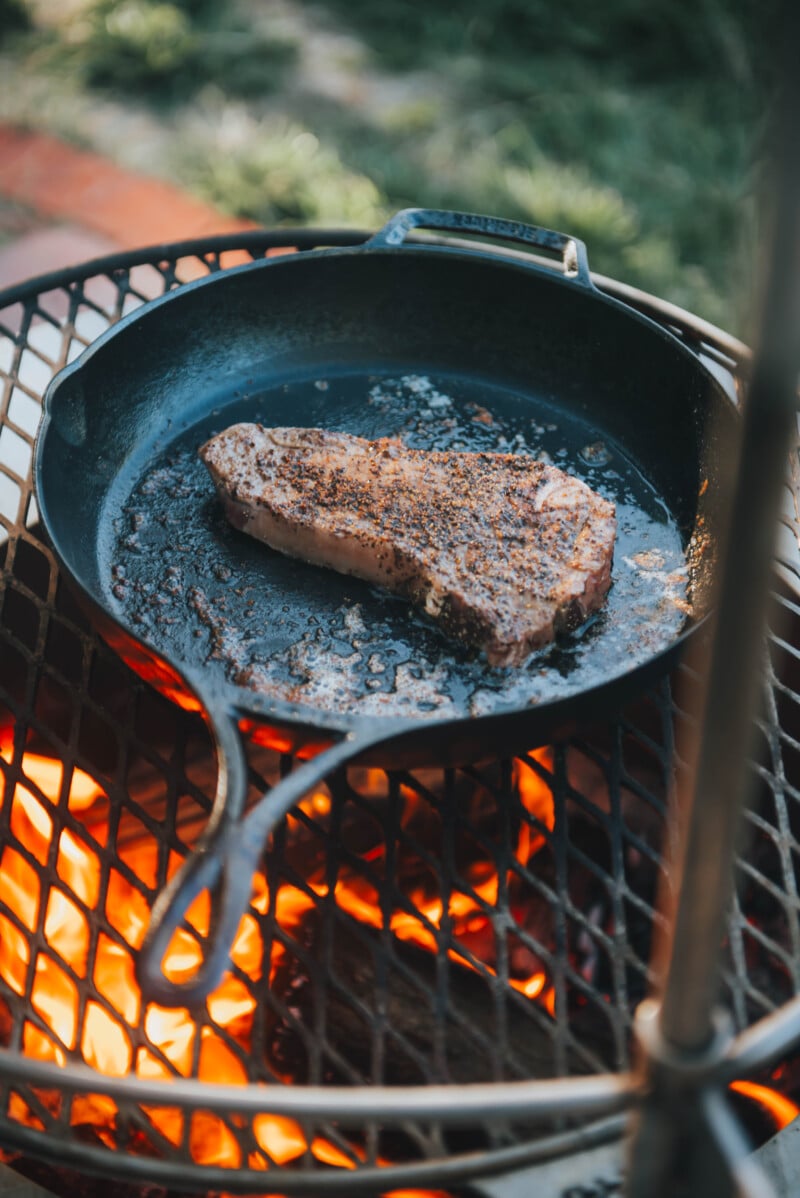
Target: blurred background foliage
636, 126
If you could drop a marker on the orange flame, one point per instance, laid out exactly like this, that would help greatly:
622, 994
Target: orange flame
537, 799
103, 1036
467, 910
781, 1108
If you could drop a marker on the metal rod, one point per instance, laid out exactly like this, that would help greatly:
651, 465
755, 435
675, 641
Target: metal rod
476, 1166
765, 1042
581, 1097
734, 675
748, 1177
670, 1151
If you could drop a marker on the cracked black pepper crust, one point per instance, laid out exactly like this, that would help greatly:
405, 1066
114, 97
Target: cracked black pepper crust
502, 551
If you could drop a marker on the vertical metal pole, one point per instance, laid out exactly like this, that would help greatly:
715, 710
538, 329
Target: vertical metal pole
682, 1032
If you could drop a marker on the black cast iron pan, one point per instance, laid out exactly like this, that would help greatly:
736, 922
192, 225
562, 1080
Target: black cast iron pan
444, 345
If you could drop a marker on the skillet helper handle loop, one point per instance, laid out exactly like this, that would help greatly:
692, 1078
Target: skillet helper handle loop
225, 862
572, 252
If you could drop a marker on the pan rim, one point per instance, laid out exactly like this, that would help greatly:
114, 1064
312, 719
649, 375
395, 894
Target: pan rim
510, 261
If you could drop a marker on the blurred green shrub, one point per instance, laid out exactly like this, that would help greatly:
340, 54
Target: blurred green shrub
169, 50
13, 17
276, 172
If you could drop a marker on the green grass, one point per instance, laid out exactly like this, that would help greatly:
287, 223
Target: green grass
634, 126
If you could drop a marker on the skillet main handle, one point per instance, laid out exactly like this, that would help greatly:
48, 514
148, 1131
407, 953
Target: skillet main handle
224, 862
572, 251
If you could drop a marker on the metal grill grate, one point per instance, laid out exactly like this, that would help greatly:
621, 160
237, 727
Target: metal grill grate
447, 926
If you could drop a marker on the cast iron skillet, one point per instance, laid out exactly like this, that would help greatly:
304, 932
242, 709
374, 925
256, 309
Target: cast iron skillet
443, 344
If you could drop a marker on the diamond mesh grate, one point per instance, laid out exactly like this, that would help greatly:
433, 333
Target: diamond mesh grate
466, 925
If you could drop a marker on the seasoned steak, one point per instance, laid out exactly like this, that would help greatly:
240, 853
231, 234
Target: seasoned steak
502, 551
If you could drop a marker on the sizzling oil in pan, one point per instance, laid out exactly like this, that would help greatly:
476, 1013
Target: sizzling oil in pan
198, 591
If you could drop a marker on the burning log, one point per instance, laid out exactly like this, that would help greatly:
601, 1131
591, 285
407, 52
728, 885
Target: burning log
408, 1017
